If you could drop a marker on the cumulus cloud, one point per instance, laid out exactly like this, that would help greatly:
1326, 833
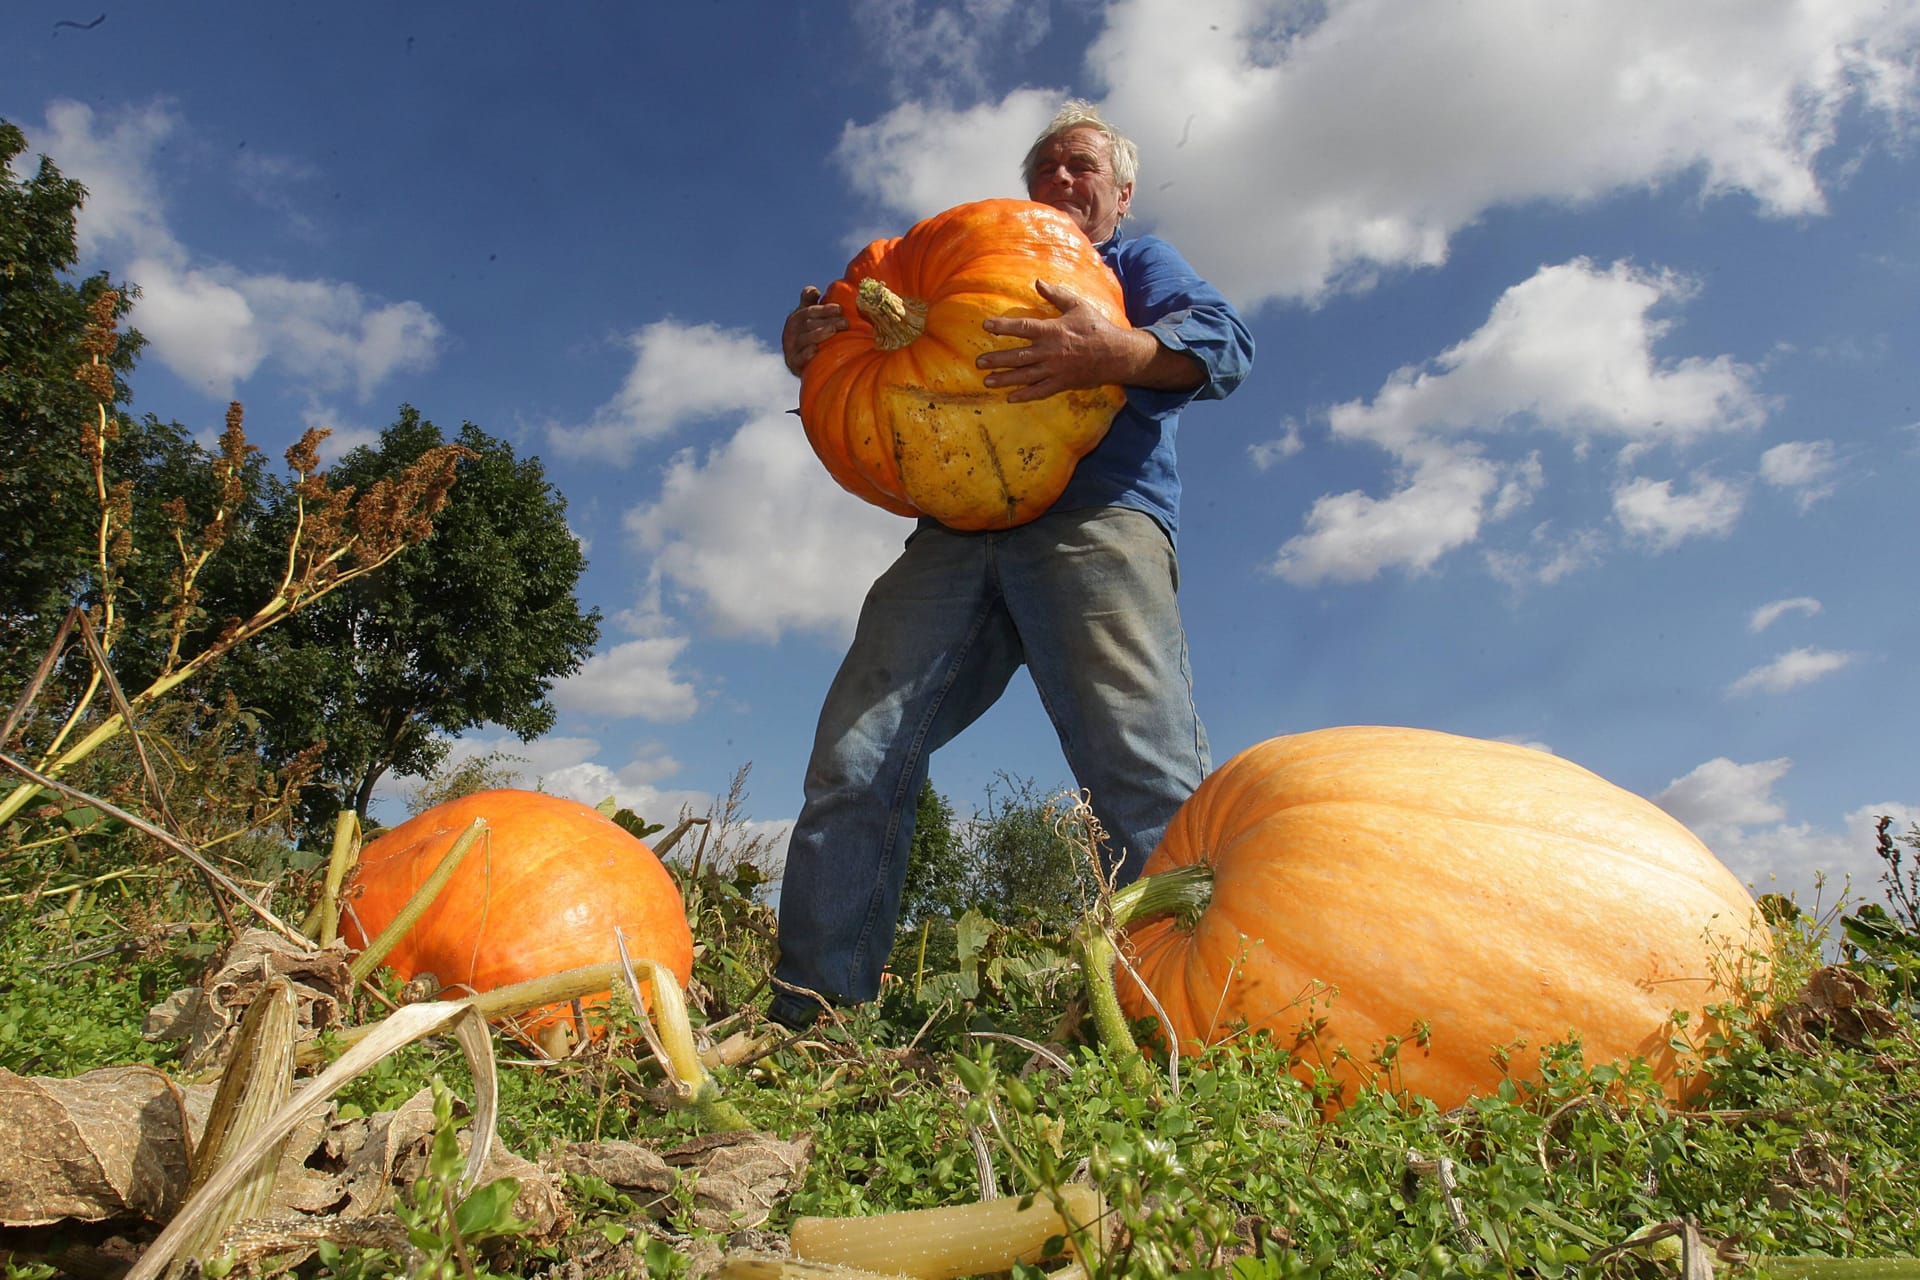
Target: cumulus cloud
1440, 504
1548, 557
1733, 809
946, 43
755, 536
1268, 454
1804, 468
1768, 614
681, 374
632, 679
212, 322
1657, 517
751, 532
1569, 350
1791, 670
1362, 135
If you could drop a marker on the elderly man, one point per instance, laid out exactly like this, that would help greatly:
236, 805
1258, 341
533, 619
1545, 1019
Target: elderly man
1084, 596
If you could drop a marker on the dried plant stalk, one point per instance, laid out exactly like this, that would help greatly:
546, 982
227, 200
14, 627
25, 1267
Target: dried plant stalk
501, 1002
257, 1080
407, 1024
423, 897
942, 1244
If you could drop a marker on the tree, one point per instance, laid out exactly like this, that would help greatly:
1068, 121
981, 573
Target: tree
937, 870
1026, 864
47, 503
470, 627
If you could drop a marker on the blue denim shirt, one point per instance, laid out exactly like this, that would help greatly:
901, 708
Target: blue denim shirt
1134, 465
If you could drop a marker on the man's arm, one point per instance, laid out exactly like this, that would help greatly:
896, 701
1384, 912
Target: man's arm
1081, 348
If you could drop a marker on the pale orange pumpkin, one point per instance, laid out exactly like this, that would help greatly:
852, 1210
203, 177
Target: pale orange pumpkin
1474, 900
542, 892
894, 404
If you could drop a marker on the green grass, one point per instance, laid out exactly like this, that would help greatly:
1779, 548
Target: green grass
1795, 1152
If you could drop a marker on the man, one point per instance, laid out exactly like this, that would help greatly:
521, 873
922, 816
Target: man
1084, 596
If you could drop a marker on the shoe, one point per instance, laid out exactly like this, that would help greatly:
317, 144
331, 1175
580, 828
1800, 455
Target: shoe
792, 1011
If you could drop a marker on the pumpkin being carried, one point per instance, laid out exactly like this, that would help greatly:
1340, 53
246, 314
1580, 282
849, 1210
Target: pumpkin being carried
1473, 901
544, 891
894, 404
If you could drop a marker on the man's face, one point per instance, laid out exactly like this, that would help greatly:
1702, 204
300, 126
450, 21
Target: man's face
1075, 176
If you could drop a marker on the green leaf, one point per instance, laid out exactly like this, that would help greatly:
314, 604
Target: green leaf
488, 1211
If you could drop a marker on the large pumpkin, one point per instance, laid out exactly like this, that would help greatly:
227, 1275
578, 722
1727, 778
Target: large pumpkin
542, 892
894, 404
1476, 900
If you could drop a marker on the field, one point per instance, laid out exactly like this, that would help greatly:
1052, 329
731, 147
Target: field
973, 1078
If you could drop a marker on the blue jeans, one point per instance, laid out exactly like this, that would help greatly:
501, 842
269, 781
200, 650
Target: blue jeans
1086, 599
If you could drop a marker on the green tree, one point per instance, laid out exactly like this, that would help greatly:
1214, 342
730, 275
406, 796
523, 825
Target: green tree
470, 627
48, 506
1024, 860
937, 869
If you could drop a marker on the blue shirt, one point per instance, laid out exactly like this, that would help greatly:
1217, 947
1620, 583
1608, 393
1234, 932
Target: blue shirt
1134, 465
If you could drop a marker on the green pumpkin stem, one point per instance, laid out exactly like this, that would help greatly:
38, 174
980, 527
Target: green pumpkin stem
423, 897
896, 320
1183, 892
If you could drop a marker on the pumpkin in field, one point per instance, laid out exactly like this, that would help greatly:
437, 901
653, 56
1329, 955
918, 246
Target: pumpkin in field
542, 892
895, 406
1475, 900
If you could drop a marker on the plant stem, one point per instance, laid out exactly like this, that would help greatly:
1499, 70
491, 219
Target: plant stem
423, 897
1185, 892
896, 320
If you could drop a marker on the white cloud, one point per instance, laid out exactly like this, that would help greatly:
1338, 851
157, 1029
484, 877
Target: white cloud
1768, 614
1791, 670
946, 43
680, 374
574, 767
1440, 504
1721, 794
212, 322
1733, 809
756, 535
1569, 350
1361, 135
1548, 557
1805, 468
1271, 453
635, 678
919, 159
1660, 519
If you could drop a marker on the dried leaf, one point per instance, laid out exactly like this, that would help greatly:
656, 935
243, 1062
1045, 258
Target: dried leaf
97, 1146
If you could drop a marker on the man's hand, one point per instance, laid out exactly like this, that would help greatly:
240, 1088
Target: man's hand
808, 325
1078, 349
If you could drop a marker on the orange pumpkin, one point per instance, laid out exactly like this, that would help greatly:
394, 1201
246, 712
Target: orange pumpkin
542, 892
894, 404
1476, 899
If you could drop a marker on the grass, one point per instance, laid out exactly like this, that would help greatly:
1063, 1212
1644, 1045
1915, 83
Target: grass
1806, 1145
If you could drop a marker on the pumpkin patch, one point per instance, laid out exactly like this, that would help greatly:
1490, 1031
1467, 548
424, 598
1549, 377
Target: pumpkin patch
544, 891
1466, 901
894, 404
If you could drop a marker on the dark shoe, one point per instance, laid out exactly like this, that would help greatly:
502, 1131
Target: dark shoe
793, 1011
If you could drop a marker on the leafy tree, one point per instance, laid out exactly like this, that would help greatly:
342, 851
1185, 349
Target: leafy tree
470, 627
48, 506
1019, 860
937, 868
1026, 862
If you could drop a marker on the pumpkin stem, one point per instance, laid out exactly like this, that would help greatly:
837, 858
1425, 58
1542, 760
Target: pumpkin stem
369, 960
896, 320
1183, 892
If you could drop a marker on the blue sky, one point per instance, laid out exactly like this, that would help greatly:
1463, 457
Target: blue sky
1585, 415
